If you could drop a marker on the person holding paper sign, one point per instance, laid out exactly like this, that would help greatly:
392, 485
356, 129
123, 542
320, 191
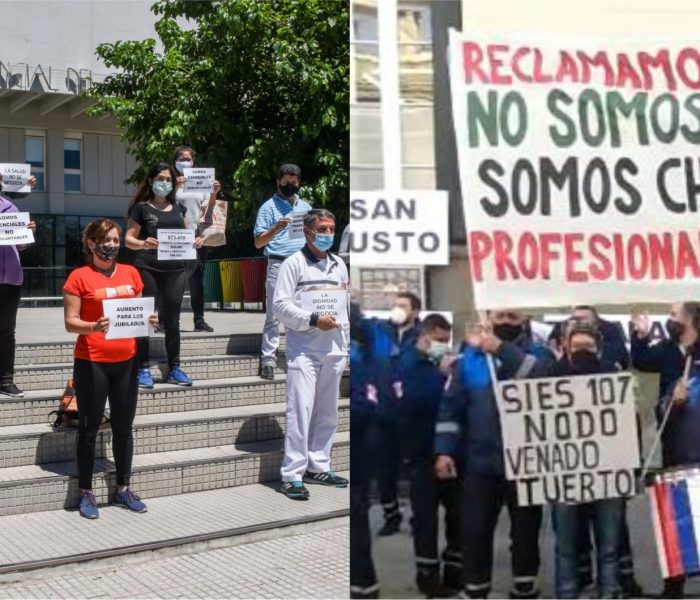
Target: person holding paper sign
103, 368
154, 208
316, 348
196, 204
11, 278
468, 425
272, 232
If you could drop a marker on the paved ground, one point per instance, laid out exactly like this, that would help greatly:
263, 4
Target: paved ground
302, 566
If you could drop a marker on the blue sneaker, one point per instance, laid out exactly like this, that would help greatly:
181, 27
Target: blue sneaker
88, 506
146, 379
295, 490
179, 377
127, 499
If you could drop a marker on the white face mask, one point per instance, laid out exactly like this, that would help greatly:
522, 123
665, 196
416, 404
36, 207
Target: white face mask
181, 165
398, 316
438, 350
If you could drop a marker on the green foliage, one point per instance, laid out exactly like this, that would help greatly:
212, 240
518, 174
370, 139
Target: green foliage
250, 85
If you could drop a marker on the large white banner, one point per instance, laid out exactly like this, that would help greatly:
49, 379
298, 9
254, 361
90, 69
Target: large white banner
569, 439
579, 168
406, 227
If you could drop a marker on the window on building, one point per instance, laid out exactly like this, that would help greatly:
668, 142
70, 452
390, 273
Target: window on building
34, 152
71, 165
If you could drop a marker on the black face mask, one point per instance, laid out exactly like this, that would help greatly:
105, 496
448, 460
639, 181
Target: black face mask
289, 189
105, 252
507, 332
584, 361
674, 329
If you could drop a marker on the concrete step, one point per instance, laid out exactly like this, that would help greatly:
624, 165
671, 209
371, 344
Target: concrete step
192, 345
50, 376
164, 398
179, 524
164, 432
53, 486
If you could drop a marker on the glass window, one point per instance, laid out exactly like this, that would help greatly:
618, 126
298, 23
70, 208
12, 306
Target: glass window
71, 165
34, 147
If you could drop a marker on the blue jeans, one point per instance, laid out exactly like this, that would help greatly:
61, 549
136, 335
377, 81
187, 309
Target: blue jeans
607, 517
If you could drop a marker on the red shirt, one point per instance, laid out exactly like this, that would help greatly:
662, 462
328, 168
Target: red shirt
93, 287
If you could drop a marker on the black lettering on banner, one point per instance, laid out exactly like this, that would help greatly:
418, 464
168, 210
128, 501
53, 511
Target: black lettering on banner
624, 483
535, 431
587, 493
625, 380
608, 422
543, 394
509, 392
562, 426
562, 389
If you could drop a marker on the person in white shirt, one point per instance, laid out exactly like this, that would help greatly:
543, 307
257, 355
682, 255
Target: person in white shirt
316, 353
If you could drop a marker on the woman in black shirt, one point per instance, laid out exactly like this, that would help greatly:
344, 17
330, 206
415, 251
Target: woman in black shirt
154, 208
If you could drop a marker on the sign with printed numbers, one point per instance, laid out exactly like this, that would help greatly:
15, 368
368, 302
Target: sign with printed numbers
13, 229
15, 177
128, 317
199, 180
176, 244
332, 302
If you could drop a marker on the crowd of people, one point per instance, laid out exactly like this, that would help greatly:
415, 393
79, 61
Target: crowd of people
429, 411
108, 373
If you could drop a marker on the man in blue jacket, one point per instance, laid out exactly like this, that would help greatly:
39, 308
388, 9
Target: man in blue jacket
418, 386
469, 427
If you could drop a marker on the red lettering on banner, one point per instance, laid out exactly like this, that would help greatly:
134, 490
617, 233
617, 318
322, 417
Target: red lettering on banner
625, 72
686, 257
572, 257
520, 53
548, 240
660, 59
637, 257
568, 68
685, 55
528, 256
504, 246
480, 246
600, 272
539, 76
496, 63
473, 55
661, 255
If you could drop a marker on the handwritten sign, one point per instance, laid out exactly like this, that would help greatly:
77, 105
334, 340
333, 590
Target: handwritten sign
199, 180
332, 302
128, 317
13, 229
297, 229
176, 244
15, 178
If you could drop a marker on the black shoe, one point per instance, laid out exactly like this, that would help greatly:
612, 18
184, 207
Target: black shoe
428, 581
202, 325
391, 526
327, 478
10, 389
295, 490
267, 372
631, 589
524, 590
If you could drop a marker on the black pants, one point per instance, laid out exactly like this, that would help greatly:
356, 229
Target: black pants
363, 579
483, 497
171, 286
9, 303
195, 282
94, 382
389, 458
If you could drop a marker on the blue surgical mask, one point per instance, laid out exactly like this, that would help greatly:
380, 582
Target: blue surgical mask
323, 241
162, 188
181, 165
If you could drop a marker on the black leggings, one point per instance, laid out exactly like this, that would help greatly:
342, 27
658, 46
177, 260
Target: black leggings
9, 303
94, 382
171, 287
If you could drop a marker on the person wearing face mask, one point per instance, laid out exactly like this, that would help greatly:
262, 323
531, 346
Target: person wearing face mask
196, 205
468, 428
11, 278
272, 232
418, 385
316, 357
103, 368
153, 208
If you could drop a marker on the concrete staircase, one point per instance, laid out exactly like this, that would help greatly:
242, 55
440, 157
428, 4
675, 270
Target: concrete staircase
225, 435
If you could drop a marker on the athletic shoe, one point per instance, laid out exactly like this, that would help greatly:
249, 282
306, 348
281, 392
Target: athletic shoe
327, 478
127, 499
146, 379
295, 490
178, 376
10, 389
202, 325
267, 372
88, 506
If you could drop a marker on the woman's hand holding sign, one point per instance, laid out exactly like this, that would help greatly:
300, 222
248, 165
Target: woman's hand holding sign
101, 325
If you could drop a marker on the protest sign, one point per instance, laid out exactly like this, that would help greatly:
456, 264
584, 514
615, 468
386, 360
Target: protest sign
13, 229
128, 317
176, 244
569, 439
199, 180
15, 177
578, 167
405, 227
331, 301
297, 226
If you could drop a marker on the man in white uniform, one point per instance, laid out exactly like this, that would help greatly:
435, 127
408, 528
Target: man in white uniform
311, 301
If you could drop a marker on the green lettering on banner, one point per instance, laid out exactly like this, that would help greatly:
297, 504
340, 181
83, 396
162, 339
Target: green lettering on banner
590, 99
568, 137
616, 103
665, 136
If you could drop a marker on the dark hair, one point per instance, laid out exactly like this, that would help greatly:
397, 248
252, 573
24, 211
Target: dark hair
414, 300
97, 231
692, 309
575, 326
144, 193
434, 321
315, 214
288, 169
179, 150
589, 308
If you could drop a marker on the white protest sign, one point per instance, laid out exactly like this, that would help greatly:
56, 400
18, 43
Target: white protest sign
176, 244
199, 180
15, 178
569, 439
332, 302
13, 229
297, 226
578, 168
405, 227
128, 317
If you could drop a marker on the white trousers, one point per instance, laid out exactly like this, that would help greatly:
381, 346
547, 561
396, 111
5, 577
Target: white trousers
313, 382
271, 330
